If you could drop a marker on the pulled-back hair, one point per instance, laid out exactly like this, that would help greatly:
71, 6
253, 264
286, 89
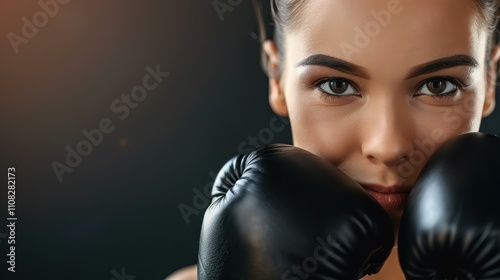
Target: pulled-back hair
285, 15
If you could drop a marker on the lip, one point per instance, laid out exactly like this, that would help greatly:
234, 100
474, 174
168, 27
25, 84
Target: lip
391, 198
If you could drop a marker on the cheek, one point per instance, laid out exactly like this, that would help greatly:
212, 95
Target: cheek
434, 126
463, 117
336, 132
327, 131
443, 121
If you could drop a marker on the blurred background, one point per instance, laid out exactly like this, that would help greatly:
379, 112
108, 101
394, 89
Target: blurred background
120, 206
133, 204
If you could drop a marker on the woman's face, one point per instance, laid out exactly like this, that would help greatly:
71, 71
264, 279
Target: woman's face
375, 87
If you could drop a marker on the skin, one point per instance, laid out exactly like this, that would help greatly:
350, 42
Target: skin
372, 126
374, 131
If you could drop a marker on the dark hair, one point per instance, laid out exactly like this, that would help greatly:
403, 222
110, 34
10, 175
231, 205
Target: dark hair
285, 14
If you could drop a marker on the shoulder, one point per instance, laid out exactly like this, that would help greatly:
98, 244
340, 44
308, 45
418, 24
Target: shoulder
186, 273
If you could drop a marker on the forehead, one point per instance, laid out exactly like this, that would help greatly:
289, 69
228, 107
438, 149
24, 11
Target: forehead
394, 32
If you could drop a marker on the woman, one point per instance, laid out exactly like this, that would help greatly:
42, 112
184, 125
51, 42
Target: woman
376, 86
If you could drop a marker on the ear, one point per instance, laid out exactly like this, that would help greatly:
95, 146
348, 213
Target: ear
276, 94
491, 76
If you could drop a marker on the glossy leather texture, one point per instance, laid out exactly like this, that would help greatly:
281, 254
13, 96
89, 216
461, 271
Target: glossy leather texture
281, 212
451, 225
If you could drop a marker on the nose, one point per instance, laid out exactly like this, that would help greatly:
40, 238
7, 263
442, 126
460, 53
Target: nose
388, 133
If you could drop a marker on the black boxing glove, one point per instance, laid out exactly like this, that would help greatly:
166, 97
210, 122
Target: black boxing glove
283, 213
451, 225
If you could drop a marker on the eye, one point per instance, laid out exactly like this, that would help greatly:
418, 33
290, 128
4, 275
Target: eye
336, 87
439, 86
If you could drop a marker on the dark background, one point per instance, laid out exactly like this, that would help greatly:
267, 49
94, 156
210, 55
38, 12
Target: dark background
119, 208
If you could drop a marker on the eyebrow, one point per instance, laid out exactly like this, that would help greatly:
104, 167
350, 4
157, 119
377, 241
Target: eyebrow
443, 63
428, 67
335, 63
